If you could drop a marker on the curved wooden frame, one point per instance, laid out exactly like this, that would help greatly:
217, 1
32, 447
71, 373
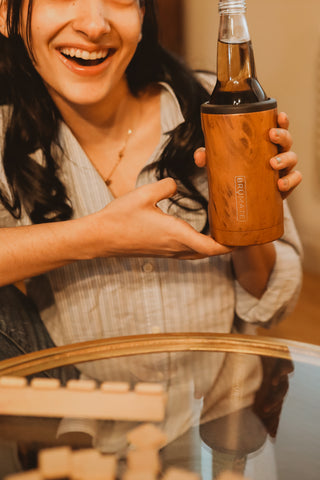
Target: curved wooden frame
76, 353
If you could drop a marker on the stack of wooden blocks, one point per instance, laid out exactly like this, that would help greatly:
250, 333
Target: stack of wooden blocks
109, 401
142, 461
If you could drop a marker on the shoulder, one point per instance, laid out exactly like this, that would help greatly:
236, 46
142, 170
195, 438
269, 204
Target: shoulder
207, 79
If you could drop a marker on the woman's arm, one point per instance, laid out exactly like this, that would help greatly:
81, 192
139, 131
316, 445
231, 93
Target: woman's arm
131, 225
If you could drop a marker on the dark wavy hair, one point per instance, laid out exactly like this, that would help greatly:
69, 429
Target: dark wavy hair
34, 122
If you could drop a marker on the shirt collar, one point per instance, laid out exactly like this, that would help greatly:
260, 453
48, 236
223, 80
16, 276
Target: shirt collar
171, 114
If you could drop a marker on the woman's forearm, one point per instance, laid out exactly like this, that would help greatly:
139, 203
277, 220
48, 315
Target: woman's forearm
32, 250
253, 266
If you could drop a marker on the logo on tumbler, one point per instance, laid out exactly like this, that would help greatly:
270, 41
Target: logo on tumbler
241, 198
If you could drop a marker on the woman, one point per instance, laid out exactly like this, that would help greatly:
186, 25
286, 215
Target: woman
95, 109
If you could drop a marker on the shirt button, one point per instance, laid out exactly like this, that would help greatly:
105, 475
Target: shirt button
147, 268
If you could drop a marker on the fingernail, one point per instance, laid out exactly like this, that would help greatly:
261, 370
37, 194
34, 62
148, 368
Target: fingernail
278, 160
277, 133
285, 182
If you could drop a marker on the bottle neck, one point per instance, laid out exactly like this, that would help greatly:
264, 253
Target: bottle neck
235, 54
233, 22
236, 74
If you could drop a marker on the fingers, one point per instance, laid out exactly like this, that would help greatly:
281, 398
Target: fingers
290, 178
281, 137
200, 157
290, 181
284, 161
160, 190
283, 120
207, 247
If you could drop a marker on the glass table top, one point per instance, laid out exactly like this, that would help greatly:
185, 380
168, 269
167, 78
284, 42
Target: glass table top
248, 404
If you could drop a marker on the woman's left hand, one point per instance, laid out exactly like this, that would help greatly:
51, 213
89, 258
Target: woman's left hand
286, 160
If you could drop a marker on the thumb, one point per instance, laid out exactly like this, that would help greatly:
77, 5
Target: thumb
163, 189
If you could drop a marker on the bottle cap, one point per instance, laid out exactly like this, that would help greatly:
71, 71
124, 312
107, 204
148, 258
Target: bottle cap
232, 6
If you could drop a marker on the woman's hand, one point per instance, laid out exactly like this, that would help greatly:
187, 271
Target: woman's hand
133, 225
286, 160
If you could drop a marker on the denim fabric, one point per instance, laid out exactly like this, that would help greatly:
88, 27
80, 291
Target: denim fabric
22, 331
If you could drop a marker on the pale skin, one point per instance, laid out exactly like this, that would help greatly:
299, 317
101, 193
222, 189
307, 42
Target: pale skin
132, 224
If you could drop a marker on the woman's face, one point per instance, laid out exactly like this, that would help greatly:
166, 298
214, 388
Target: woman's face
82, 48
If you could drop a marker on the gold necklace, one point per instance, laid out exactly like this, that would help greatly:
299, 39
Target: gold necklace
121, 153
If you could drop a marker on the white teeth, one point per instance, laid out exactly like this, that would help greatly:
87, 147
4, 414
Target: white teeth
84, 54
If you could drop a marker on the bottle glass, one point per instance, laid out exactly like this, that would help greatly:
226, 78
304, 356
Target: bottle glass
237, 83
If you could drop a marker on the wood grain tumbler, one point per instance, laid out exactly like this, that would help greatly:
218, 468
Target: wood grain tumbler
245, 204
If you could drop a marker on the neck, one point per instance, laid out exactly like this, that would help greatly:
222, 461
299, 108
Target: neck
90, 122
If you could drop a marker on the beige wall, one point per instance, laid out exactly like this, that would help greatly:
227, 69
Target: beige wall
286, 40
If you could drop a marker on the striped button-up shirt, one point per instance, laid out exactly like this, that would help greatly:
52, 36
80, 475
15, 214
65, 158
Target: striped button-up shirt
108, 297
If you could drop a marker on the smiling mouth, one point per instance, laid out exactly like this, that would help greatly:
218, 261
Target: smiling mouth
85, 58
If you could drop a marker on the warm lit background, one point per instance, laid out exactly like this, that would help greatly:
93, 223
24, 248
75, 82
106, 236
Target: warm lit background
286, 41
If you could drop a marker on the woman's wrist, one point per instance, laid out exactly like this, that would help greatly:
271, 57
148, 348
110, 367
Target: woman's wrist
253, 266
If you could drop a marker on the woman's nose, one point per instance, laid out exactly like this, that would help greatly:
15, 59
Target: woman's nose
91, 18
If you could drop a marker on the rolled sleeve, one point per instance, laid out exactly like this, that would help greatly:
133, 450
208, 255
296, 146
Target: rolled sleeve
284, 284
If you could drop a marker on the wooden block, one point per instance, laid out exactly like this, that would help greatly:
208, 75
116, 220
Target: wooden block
45, 383
55, 462
180, 474
30, 475
117, 387
147, 436
82, 385
151, 388
43, 397
143, 461
89, 464
13, 382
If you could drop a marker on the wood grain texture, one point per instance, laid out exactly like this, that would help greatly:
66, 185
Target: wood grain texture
44, 398
245, 206
36, 362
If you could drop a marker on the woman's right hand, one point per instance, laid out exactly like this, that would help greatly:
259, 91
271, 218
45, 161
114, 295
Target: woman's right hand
133, 225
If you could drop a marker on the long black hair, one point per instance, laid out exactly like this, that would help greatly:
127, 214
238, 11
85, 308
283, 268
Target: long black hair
34, 121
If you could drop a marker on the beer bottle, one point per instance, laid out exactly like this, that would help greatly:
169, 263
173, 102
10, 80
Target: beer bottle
245, 204
237, 82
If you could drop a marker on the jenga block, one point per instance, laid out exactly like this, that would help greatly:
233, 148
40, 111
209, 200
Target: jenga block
13, 382
151, 388
45, 383
30, 475
132, 475
82, 385
81, 399
115, 387
147, 436
55, 462
143, 461
180, 474
89, 464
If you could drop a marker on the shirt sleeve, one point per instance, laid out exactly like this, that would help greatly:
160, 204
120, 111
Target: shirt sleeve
284, 284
